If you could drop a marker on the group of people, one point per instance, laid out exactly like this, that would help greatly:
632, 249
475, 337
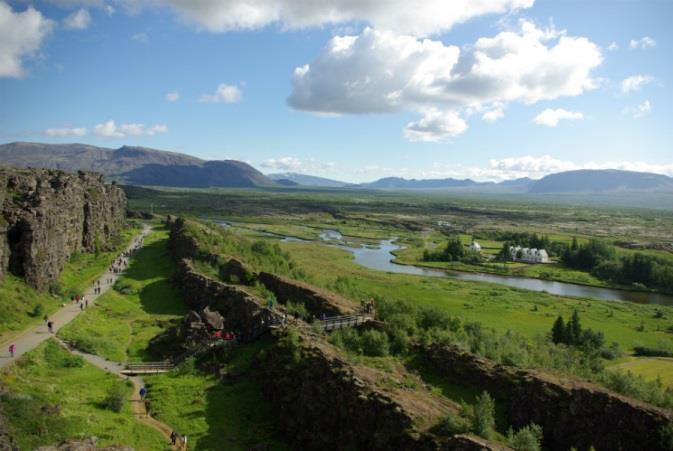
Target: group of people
117, 267
174, 435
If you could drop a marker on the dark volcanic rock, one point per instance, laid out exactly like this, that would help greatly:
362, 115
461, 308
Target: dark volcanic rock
49, 215
572, 413
316, 300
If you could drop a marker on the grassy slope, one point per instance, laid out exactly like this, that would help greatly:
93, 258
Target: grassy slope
41, 378
119, 326
230, 414
19, 300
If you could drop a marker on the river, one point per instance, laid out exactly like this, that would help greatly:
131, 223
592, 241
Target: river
381, 258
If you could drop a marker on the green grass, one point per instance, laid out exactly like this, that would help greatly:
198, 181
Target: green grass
19, 301
502, 308
649, 368
50, 376
123, 321
229, 414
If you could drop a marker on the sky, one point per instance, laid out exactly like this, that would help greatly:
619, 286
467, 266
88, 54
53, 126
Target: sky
350, 90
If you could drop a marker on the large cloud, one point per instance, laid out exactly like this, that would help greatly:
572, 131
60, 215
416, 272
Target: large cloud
380, 71
418, 18
21, 36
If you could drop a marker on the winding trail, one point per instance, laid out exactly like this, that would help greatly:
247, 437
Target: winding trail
136, 403
33, 336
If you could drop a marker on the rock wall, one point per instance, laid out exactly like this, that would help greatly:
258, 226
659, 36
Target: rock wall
49, 215
316, 300
572, 413
242, 311
323, 402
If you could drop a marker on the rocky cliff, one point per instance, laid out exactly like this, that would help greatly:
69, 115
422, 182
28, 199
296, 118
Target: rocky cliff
49, 215
572, 413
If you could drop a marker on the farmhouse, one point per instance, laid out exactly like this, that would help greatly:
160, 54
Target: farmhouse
528, 255
475, 247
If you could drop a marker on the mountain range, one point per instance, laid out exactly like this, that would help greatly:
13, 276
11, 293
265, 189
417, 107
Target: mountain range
144, 166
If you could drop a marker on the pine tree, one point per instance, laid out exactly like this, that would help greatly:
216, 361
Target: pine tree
558, 331
574, 329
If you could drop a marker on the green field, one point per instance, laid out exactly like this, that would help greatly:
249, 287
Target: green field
143, 304
22, 306
74, 391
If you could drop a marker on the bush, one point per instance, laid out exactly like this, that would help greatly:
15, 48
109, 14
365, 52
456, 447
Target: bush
298, 309
114, 400
451, 425
528, 438
375, 343
188, 366
38, 311
483, 415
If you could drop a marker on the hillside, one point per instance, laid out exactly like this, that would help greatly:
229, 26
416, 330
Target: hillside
402, 183
601, 181
135, 165
307, 180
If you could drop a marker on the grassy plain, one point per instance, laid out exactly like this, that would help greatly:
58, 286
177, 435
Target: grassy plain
73, 393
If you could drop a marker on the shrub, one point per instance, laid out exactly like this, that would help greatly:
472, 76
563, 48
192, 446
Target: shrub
114, 399
483, 415
528, 438
298, 309
451, 425
375, 343
38, 311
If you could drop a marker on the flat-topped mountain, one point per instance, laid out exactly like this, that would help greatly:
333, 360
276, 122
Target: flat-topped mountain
134, 165
605, 180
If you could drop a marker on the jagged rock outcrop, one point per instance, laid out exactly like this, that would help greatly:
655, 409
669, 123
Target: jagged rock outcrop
572, 413
317, 301
324, 402
49, 215
242, 311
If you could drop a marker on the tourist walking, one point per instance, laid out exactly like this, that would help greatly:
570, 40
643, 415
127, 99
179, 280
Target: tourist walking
142, 392
50, 327
12, 350
174, 437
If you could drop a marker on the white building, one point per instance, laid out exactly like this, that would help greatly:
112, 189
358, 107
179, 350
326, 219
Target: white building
517, 253
475, 247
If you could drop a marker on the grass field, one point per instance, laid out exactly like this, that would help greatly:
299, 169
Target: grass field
21, 305
73, 391
649, 368
217, 414
502, 308
121, 323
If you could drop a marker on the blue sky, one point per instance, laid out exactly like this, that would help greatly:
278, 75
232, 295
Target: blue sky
516, 88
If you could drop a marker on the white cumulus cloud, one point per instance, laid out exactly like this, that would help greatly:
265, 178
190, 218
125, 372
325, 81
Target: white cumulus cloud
635, 82
21, 36
418, 18
290, 164
110, 129
79, 20
496, 113
642, 43
66, 131
613, 46
551, 117
223, 94
640, 111
380, 71
173, 96
435, 126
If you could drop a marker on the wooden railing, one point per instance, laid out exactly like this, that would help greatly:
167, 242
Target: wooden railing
148, 367
341, 322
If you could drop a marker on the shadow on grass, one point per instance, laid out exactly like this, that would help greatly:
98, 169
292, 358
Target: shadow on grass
151, 261
160, 298
237, 414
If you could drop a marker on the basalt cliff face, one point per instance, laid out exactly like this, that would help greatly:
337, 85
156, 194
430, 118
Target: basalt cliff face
49, 215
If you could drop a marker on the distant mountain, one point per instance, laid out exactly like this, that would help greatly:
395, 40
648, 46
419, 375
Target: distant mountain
135, 165
608, 180
307, 180
523, 183
402, 183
